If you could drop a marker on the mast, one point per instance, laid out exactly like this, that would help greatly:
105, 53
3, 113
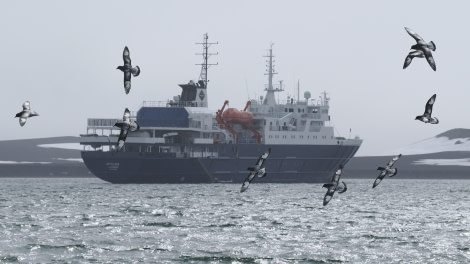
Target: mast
270, 99
205, 55
324, 99
298, 90
195, 94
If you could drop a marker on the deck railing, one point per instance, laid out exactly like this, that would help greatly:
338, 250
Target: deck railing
102, 122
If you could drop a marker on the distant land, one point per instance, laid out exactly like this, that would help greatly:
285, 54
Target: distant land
42, 157
445, 156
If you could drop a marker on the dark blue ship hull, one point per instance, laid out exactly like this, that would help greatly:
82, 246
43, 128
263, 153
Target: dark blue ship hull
286, 164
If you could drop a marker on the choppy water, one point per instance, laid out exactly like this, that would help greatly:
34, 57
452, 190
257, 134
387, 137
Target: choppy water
89, 221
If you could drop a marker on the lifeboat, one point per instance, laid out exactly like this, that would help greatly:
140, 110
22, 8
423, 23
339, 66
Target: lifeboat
236, 116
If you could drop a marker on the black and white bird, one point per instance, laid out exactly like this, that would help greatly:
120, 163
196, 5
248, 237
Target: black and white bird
426, 117
386, 171
420, 49
125, 125
334, 186
128, 70
23, 115
257, 170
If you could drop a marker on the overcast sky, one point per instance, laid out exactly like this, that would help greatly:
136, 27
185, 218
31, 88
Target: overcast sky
62, 57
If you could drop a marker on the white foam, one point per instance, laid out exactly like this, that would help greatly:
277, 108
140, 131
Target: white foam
74, 146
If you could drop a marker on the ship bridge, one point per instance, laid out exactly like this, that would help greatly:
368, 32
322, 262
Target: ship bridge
162, 117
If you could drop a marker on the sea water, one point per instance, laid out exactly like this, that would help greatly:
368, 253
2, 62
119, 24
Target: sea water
91, 221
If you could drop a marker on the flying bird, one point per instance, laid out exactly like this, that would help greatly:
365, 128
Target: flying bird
386, 171
128, 69
125, 125
257, 170
420, 49
23, 115
334, 186
426, 117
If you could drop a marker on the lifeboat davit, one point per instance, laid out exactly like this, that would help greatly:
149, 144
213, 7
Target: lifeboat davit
236, 116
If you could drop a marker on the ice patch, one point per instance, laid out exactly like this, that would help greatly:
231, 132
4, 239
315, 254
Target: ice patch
23, 162
70, 159
74, 146
443, 162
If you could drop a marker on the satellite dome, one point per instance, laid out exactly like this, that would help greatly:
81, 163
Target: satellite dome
307, 95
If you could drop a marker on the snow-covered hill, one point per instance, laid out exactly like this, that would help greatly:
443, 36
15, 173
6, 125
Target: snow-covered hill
453, 140
51, 150
42, 157
445, 156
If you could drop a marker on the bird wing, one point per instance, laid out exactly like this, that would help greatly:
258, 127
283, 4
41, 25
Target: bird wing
119, 124
411, 55
379, 178
120, 144
127, 116
416, 53
126, 56
259, 162
336, 176
263, 157
123, 134
127, 81
33, 113
414, 35
429, 104
391, 162
127, 86
407, 61
247, 181
430, 60
26, 106
377, 181
127, 76
122, 138
329, 193
22, 121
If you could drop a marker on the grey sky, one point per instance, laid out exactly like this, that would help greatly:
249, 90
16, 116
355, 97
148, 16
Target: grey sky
62, 56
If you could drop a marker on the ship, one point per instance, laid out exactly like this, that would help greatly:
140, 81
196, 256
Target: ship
182, 141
